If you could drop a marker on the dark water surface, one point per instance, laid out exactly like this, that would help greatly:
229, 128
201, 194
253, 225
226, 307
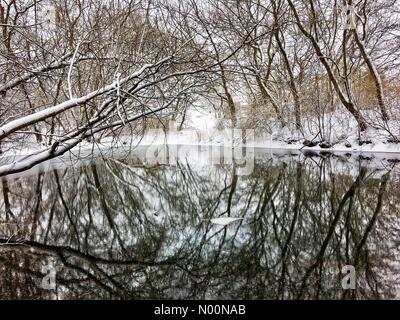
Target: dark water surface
115, 228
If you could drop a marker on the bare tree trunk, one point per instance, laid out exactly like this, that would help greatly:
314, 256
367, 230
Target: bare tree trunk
228, 96
6, 191
375, 75
266, 96
292, 82
231, 104
347, 103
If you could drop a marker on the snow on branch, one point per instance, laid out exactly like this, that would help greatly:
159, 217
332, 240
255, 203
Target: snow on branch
72, 140
31, 74
52, 111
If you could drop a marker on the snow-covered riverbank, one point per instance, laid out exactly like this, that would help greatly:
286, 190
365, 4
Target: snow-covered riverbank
377, 148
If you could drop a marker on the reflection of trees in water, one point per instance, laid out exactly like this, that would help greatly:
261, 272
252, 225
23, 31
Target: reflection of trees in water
119, 230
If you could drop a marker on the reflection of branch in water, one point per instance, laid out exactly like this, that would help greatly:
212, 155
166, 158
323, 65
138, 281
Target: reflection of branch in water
67, 211
319, 258
296, 209
38, 198
370, 226
88, 257
378, 209
292, 208
75, 260
7, 207
232, 191
113, 226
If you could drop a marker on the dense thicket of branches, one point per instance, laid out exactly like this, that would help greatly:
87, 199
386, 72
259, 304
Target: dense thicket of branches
74, 70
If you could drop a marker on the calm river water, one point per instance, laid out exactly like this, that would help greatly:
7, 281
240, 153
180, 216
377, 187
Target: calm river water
121, 228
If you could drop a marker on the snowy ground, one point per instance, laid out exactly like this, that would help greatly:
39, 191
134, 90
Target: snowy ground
340, 134
202, 128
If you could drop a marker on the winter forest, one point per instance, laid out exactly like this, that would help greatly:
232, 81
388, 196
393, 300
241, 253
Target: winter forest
88, 87
306, 71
